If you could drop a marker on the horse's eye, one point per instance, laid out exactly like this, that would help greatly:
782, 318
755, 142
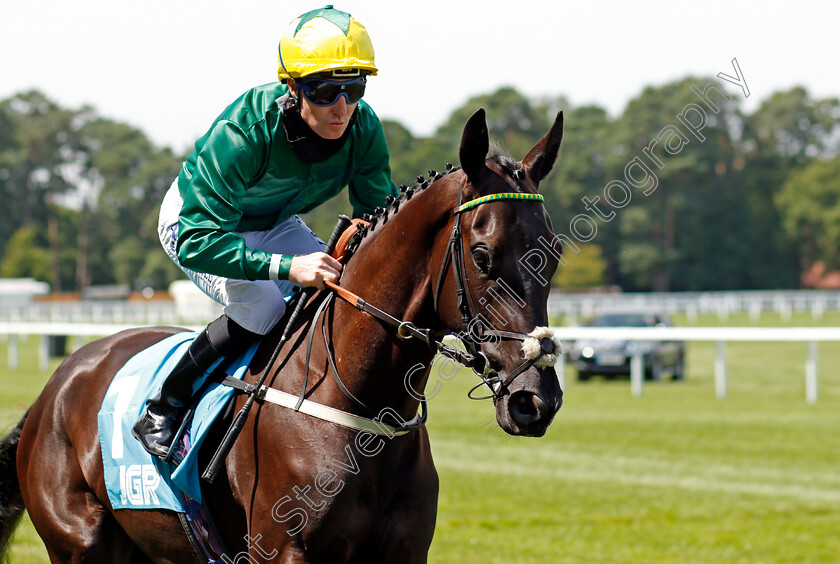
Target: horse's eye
481, 258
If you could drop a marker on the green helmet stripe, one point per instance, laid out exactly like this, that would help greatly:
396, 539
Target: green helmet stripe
339, 18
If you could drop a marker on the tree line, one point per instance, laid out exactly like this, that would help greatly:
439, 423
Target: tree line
682, 191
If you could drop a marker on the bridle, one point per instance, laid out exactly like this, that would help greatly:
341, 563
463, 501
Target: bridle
469, 322
473, 332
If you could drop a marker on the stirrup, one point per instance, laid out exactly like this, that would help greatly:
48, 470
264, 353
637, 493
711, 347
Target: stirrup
185, 421
176, 439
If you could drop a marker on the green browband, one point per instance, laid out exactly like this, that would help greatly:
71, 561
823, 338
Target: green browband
503, 196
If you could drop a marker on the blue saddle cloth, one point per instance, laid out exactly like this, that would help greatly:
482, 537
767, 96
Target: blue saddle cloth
134, 478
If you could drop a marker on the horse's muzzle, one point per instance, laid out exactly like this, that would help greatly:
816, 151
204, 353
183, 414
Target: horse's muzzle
528, 410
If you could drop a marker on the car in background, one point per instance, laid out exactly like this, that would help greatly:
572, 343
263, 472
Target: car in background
612, 358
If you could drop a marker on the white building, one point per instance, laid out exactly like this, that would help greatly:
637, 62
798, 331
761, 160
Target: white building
21, 292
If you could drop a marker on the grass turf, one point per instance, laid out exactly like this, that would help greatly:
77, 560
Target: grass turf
676, 475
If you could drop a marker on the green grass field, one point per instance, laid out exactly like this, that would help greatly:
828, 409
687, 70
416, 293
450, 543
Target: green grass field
676, 475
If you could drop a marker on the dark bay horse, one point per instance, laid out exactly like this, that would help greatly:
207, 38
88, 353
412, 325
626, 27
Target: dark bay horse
298, 489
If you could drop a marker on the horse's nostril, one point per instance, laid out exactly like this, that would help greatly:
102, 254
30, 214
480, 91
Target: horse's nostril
525, 407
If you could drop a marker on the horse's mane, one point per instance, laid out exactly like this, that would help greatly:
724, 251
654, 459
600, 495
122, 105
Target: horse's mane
507, 165
393, 204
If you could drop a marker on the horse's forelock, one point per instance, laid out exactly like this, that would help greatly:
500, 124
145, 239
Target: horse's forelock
508, 167
504, 161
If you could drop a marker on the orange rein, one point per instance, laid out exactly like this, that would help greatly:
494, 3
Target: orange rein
339, 254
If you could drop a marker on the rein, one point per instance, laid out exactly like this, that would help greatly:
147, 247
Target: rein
542, 350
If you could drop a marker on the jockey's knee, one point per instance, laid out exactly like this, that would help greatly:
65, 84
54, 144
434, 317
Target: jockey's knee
255, 305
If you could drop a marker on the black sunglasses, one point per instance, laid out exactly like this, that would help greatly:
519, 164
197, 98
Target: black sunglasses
325, 92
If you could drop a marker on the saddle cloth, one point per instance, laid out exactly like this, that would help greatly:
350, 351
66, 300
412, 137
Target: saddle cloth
134, 478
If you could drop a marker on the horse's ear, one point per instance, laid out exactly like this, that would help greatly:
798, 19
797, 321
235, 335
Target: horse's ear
475, 143
541, 158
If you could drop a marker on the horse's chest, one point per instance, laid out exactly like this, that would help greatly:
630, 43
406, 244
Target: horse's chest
349, 500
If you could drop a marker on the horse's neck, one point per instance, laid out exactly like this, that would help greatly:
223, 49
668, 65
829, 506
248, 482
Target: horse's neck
394, 264
393, 269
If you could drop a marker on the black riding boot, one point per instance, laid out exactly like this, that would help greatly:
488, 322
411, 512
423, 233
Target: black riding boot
158, 425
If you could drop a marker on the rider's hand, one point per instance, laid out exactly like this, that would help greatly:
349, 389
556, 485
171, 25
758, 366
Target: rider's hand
314, 269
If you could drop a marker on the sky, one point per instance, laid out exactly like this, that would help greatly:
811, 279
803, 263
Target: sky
169, 67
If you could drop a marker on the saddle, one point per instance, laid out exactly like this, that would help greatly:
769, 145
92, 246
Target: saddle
134, 478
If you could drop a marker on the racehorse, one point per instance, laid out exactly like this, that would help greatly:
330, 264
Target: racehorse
429, 260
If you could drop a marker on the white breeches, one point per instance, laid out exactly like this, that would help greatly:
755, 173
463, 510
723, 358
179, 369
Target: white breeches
256, 305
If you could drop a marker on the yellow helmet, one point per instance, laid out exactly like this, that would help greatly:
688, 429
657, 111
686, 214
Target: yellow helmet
325, 40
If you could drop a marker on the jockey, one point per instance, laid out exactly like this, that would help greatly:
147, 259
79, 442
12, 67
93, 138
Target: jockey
229, 220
